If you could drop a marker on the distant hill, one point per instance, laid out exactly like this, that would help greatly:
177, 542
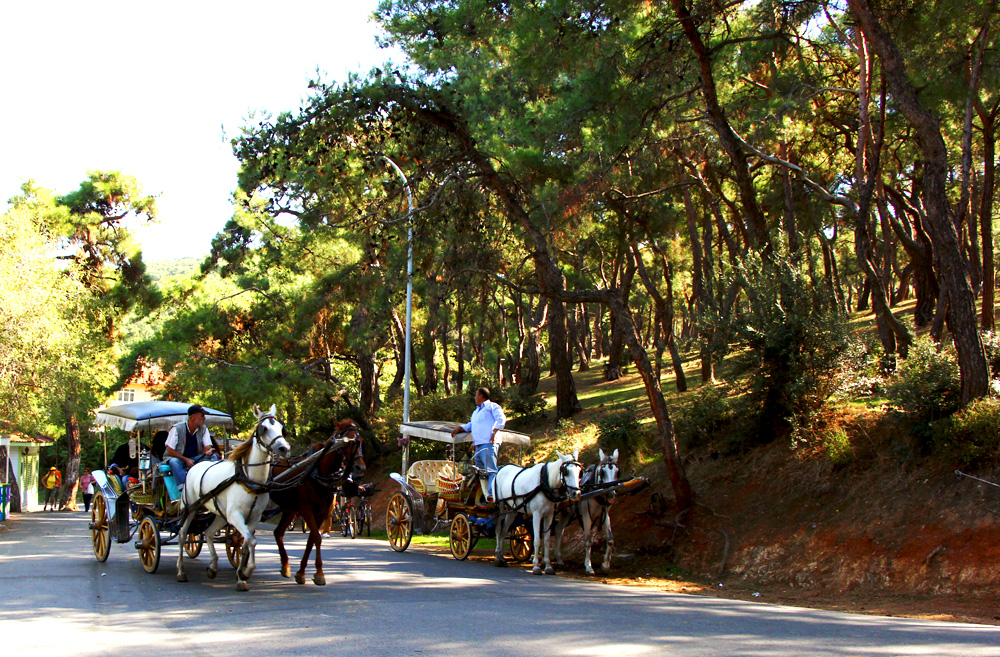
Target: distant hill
162, 269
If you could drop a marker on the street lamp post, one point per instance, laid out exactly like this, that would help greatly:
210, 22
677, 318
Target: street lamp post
409, 306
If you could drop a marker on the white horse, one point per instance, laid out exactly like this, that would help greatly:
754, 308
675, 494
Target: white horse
535, 491
234, 493
593, 513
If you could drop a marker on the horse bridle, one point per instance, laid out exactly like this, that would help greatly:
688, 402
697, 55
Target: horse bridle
257, 433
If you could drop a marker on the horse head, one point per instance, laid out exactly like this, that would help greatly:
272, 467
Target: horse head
607, 469
349, 457
569, 473
269, 434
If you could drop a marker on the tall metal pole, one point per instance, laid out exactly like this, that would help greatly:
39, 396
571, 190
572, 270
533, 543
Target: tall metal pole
409, 307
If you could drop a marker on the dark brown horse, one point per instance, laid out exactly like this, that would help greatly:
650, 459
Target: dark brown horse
312, 498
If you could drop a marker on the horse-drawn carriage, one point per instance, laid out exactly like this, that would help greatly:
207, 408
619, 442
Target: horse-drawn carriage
442, 493
142, 506
435, 494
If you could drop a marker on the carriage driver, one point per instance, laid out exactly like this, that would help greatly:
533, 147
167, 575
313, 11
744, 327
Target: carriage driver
487, 419
189, 442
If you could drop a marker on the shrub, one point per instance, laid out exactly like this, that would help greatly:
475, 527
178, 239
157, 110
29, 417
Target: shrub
926, 385
705, 420
793, 342
971, 436
837, 445
620, 430
991, 342
862, 366
523, 404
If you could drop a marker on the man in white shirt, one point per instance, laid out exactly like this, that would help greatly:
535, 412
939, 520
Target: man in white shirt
487, 420
189, 442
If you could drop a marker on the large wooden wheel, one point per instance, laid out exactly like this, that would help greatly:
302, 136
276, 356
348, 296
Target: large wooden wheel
100, 529
193, 545
148, 543
460, 537
520, 543
399, 521
234, 545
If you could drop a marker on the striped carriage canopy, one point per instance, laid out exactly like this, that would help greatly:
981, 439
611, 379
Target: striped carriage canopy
441, 432
155, 416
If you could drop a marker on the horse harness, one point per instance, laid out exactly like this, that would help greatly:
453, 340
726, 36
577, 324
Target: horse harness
554, 496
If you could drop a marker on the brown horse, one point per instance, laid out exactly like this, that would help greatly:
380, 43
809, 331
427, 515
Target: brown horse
311, 499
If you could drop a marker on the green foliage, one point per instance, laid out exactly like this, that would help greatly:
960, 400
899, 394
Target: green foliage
862, 371
837, 445
793, 340
525, 405
706, 420
971, 437
926, 384
620, 429
991, 343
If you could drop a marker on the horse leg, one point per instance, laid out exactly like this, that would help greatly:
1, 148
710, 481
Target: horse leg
561, 521
588, 539
547, 518
609, 540
316, 538
536, 524
188, 519
504, 519
213, 562
287, 518
247, 565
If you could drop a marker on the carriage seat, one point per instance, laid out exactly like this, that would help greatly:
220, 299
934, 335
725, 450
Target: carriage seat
427, 473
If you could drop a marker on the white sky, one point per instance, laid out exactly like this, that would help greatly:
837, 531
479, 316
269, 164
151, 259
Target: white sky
156, 90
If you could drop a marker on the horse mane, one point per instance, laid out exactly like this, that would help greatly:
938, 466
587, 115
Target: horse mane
241, 451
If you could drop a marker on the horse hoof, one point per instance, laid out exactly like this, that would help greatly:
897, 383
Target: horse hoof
550, 571
319, 579
242, 586
589, 571
212, 573
536, 571
286, 571
182, 577
499, 563
300, 578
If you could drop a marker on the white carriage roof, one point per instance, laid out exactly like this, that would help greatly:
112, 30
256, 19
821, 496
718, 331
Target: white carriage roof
155, 416
441, 432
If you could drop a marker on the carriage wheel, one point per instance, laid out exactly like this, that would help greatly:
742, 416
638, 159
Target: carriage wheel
193, 544
520, 544
460, 537
100, 529
148, 544
234, 544
399, 522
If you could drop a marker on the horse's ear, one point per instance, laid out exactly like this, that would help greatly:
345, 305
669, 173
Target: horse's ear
256, 411
576, 455
274, 410
560, 455
614, 456
600, 454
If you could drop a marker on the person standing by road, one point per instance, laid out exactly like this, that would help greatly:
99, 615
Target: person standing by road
52, 481
487, 420
87, 486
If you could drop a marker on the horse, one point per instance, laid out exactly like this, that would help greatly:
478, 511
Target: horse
593, 513
234, 490
517, 489
313, 497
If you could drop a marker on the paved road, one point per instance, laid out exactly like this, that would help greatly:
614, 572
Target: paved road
57, 600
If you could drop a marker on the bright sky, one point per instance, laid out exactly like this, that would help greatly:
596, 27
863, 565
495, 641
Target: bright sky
157, 90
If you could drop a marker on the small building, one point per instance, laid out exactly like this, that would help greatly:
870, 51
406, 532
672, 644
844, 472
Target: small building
19, 463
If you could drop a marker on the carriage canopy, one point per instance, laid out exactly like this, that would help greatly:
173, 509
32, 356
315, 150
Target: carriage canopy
155, 416
441, 432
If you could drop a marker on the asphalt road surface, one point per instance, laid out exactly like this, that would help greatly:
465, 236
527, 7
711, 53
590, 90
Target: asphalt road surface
57, 600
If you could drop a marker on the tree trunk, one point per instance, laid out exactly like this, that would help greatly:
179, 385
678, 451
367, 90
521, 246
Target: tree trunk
988, 119
67, 494
972, 362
